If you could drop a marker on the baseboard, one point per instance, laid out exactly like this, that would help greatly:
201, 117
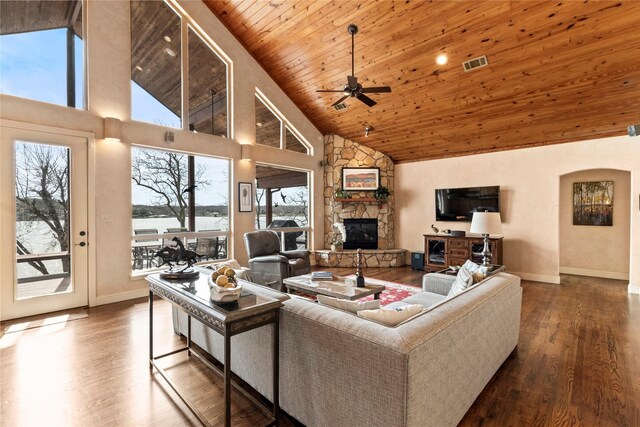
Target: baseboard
633, 289
594, 273
537, 277
123, 296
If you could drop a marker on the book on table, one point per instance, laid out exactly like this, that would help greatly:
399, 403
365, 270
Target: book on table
321, 275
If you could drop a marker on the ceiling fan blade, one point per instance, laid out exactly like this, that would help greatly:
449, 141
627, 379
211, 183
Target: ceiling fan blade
352, 81
328, 90
364, 98
381, 89
339, 100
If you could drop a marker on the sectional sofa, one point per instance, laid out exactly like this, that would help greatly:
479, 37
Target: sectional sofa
337, 369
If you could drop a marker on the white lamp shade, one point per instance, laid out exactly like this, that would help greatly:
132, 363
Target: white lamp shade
486, 223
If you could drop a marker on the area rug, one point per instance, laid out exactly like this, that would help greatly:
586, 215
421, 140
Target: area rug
393, 291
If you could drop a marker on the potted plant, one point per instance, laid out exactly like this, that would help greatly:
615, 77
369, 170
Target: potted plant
382, 194
342, 194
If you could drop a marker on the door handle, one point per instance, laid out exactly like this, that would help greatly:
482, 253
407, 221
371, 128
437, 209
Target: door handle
82, 233
81, 244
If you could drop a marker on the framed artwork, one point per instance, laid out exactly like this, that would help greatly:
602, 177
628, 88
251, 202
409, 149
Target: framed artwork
593, 203
360, 179
245, 197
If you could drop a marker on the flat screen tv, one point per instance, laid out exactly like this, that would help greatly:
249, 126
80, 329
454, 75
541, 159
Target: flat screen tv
459, 204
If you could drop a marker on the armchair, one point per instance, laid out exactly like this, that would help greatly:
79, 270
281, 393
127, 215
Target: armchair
268, 265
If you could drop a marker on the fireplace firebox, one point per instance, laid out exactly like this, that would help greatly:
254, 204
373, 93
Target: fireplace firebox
361, 233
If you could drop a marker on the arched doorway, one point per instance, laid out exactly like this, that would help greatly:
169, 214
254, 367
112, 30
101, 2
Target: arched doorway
586, 248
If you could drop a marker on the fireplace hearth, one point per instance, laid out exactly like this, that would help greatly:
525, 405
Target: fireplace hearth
361, 233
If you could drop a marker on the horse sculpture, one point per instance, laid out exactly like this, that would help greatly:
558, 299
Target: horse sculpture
177, 254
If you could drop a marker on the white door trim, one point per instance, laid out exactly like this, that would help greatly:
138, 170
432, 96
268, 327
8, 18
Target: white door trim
91, 205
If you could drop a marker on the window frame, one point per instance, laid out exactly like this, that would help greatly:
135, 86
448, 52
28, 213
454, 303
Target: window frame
187, 23
185, 235
284, 125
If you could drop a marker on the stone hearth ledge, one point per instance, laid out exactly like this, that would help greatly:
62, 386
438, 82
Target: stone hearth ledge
370, 258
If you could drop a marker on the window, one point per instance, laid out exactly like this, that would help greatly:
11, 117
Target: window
207, 89
267, 126
272, 131
282, 202
41, 51
157, 68
156, 87
293, 143
178, 195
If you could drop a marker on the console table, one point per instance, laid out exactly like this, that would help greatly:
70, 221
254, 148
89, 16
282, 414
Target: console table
442, 250
249, 312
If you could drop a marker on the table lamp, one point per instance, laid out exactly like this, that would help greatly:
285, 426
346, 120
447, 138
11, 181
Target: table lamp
486, 223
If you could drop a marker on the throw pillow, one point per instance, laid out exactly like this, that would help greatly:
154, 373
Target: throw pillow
464, 279
470, 266
346, 305
391, 317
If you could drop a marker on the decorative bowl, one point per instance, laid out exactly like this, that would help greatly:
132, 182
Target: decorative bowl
220, 294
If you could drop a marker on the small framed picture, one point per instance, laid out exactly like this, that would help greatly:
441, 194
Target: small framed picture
245, 197
360, 179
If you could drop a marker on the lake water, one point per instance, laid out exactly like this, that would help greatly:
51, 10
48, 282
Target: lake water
37, 237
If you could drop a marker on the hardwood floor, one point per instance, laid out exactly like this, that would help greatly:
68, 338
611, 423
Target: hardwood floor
577, 362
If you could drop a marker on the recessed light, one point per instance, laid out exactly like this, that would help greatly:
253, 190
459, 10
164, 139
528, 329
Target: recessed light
441, 59
167, 39
170, 52
139, 68
259, 124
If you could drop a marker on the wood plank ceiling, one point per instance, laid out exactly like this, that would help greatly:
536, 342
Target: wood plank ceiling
558, 71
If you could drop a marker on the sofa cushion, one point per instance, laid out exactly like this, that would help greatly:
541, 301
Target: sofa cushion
346, 305
392, 317
464, 279
425, 299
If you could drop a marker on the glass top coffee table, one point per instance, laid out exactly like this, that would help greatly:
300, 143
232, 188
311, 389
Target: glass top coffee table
338, 287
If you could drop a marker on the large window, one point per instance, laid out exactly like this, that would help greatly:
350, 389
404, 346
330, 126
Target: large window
207, 88
282, 204
178, 195
41, 51
156, 87
157, 68
272, 131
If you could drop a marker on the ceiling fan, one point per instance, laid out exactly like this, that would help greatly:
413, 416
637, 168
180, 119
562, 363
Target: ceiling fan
353, 88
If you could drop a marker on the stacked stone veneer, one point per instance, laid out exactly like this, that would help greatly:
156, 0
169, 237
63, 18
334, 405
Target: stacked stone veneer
370, 258
341, 153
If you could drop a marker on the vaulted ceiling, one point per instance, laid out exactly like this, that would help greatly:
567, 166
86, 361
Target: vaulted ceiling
558, 71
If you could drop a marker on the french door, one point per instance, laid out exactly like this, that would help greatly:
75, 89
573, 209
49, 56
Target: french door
43, 227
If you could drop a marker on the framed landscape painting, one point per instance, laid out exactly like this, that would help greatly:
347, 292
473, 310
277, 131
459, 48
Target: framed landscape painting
360, 179
593, 203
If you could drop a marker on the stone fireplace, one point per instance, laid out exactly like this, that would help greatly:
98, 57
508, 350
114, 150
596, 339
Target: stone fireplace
341, 153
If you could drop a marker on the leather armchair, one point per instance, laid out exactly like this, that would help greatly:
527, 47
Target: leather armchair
268, 264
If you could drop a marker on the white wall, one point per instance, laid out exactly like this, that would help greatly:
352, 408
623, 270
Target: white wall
530, 192
599, 251
108, 65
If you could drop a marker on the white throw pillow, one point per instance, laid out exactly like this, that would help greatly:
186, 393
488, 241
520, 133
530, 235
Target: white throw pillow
346, 305
464, 279
477, 271
391, 317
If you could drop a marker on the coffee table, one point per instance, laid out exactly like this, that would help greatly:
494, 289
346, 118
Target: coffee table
339, 287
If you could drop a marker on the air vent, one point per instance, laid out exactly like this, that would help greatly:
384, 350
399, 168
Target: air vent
474, 63
340, 106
